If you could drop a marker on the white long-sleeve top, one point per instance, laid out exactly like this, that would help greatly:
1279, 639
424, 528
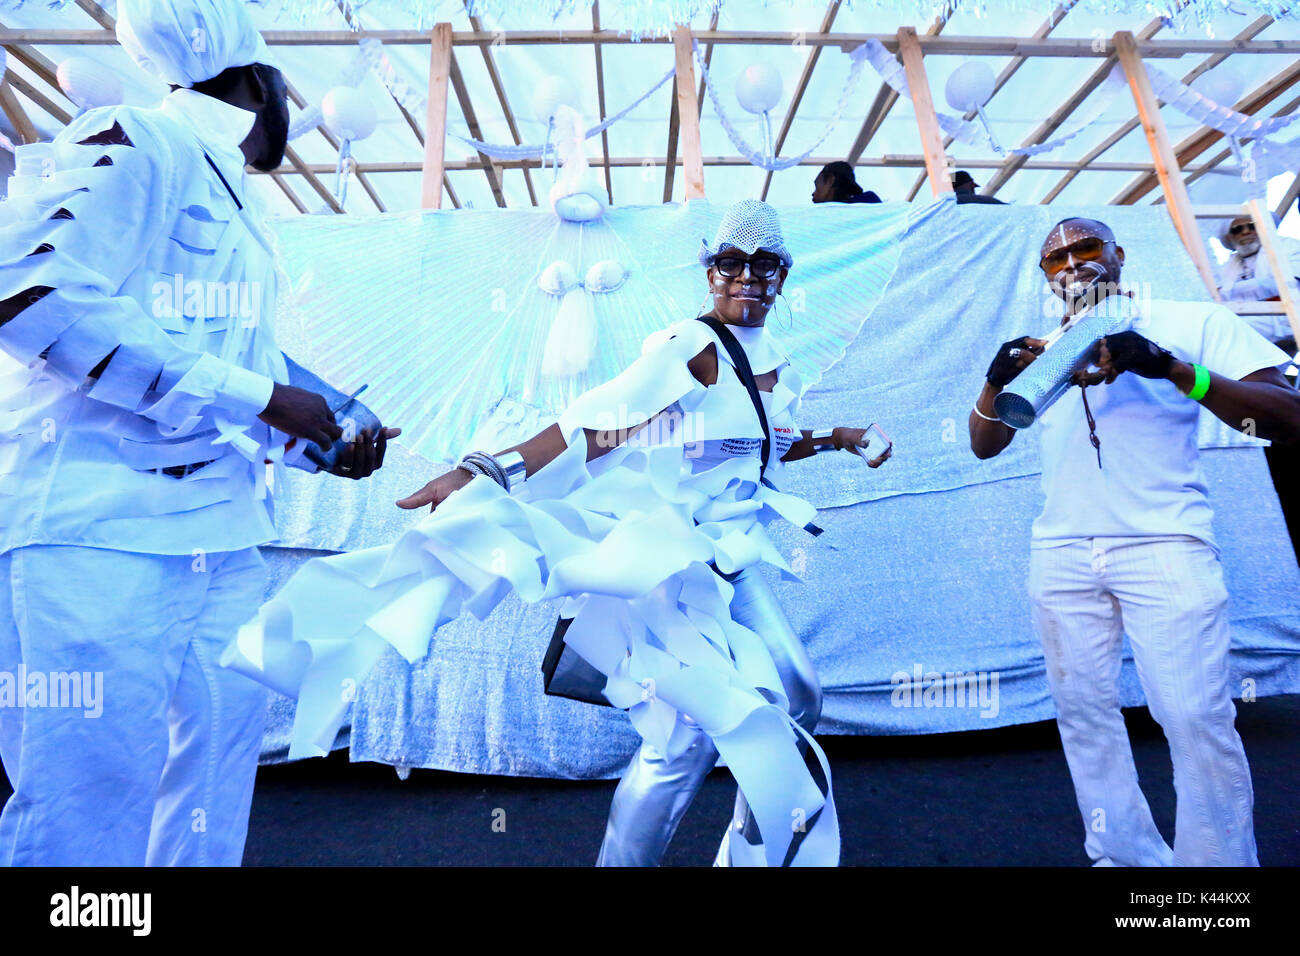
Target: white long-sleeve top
1249, 279
147, 259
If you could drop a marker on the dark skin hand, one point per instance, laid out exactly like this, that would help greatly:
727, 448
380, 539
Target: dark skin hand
736, 301
1261, 402
363, 457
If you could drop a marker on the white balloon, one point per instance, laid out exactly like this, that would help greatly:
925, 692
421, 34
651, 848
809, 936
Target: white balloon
348, 113
1223, 84
88, 83
552, 93
758, 87
969, 86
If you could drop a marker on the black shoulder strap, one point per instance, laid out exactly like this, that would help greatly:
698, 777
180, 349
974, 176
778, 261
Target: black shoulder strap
746, 375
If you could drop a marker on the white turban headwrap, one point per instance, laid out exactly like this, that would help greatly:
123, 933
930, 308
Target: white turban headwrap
184, 42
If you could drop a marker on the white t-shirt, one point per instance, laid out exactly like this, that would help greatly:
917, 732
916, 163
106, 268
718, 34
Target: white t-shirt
1150, 481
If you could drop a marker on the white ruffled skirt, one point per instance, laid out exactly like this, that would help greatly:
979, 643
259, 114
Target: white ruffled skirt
627, 541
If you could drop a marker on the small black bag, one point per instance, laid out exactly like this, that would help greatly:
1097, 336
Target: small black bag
565, 673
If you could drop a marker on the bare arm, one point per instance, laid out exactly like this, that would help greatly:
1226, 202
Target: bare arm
548, 444
1263, 400
989, 438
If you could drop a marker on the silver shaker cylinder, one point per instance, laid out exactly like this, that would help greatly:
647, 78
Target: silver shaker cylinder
1034, 390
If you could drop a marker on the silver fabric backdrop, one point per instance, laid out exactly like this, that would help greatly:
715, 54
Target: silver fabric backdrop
923, 568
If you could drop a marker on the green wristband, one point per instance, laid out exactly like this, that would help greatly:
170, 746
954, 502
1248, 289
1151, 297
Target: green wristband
1202, 384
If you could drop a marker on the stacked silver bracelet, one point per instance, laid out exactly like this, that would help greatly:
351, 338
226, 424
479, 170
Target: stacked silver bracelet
504, 470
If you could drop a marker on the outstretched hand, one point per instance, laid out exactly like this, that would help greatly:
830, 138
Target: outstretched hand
437, 491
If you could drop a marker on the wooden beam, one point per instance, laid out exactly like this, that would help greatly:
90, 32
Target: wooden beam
1171, 180
1196, 172
885, 99
39, 98
814, 53
688, 115
96, 13
1199, 142
435, 124
46, 69
1288, 200
931, 46
600, 98
927, 124
1008, 71
312, 179
279, 179
892, 161
475, 132
16, 115
1283, 273
674, 119
1063, 112
1203, 67
494, 75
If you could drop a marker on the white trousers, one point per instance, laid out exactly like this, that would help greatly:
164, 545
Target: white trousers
163, 773
1168, 595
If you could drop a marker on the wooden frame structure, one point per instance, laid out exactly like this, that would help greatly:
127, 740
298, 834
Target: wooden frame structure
1171, 168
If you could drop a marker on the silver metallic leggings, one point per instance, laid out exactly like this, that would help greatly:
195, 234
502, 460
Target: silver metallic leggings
654, 793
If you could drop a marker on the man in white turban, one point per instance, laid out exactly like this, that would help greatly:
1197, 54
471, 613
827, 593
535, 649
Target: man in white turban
136, 426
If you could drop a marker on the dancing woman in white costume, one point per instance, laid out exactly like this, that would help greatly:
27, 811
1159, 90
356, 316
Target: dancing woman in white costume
644, 510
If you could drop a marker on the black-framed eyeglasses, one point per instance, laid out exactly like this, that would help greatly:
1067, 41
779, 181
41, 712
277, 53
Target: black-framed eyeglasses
1241, 228
1085, 249
760, 267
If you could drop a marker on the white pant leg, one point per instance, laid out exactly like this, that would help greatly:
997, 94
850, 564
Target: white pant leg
84, 786
216, 718
1175, 612
1078, 622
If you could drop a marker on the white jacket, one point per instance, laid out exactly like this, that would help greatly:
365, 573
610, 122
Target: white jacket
141, 247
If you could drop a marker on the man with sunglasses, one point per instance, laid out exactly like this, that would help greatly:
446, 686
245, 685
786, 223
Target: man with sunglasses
1128, 548
139, 424
1247, 277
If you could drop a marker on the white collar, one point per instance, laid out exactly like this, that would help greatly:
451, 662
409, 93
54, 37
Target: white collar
760, 348
217, 125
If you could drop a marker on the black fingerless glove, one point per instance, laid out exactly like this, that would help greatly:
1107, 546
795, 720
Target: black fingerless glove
1003, 368
1132, 352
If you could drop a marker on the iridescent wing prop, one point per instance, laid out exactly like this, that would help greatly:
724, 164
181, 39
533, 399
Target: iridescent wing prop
441, 314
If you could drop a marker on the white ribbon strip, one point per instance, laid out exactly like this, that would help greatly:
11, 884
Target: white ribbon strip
771, 164
1199, 107
961, 129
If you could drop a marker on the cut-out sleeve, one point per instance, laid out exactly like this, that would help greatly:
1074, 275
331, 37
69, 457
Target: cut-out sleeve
108, 195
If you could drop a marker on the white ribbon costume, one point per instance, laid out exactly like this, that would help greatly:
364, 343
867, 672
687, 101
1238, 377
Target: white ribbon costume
626, 540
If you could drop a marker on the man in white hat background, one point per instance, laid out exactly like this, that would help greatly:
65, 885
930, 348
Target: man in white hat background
145, 404
1246, 276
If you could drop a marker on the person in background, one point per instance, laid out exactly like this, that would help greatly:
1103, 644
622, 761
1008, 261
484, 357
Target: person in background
836, 183
964, 186
1247, 277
